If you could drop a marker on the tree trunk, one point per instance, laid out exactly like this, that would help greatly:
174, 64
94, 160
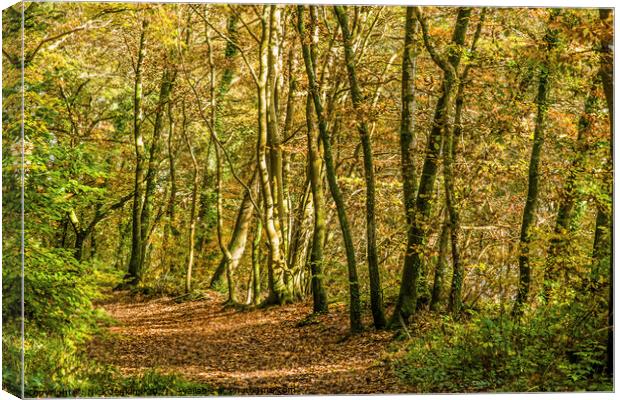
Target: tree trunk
319, 296
273, 132
256, 275
309, 54
407, 144
277, 263
440, 268
192, 216
529, 212
298, 257
167, 80
170, 209
455, 302
135, 261
228, 74
417, 236
376, 293
80, 237
238, 238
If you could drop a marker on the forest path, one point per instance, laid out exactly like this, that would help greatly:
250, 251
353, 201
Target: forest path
260, 351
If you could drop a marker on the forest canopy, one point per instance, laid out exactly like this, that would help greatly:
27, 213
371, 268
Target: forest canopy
444, 173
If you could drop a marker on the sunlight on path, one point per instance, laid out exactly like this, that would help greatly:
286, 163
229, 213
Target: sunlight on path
251, 352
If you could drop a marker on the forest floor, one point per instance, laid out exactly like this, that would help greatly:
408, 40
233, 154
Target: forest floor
254, 351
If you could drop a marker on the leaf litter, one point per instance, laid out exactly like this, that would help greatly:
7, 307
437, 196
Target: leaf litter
256, 351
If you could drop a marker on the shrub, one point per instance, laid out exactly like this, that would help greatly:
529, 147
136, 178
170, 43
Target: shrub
560, 347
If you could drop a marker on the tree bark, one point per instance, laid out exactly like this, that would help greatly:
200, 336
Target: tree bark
440, 268
309, 54
319, 295
170, 209
167, 81
256, 275
529, 212
408, 295
376, 293
455, 302
277, 263
192, 215
238, 238
135, 261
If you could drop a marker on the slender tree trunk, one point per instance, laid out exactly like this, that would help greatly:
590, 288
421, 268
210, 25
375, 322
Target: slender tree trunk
455, 302
192, 215
167, 80
529, 212
319, 296
256, 275
238, 238
309, 54
277, 263
135, 261
228, 74
273, 133
80, 237
407, 144
440, 268
376, 293
286, 156
408, 295
170, 209
226, 254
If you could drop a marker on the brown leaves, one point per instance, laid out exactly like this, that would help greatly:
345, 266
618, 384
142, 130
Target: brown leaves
264, 351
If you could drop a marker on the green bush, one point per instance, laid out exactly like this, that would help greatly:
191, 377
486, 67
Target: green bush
560, 347
59, 318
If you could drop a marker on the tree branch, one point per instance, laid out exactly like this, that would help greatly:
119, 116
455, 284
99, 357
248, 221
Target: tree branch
441, 61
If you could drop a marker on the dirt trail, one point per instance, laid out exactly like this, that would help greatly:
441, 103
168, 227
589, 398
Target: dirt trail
251, 352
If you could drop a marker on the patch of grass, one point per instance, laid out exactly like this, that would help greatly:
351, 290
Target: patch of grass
110, 383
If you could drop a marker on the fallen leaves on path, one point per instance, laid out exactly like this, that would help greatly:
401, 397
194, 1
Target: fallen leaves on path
260, 351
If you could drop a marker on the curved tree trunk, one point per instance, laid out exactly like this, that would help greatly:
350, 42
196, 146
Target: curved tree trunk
376, 293
277, 263
238, 238
408, 295
355, 314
